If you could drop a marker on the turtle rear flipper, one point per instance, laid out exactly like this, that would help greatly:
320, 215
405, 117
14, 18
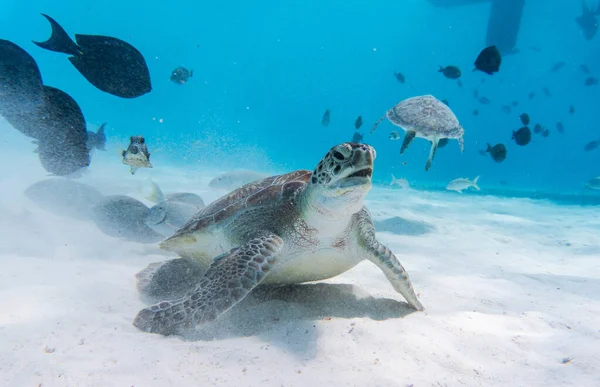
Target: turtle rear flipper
434, 144
168, 280
228, 280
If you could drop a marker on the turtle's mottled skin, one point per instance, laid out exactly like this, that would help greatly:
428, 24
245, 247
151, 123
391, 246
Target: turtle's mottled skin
287, 229
426, 117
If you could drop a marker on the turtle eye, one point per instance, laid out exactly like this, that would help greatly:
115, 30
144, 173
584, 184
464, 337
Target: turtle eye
338, 155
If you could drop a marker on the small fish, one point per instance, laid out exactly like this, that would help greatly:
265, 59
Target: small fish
584, 68
110, 64
445, 102
394, 135
136, 155
96, 140
557, 66
459, 83
235, 179
498, 152
537, 129
560, 127
488, 60
545, 133
181, 75
506, 109
572, 109
590, 81
357, 137
358, 123
326, 118
522, 136
484, 101
442, 142
461, 183
400, 77
590, 146
546, 92
168, 216
531, 95
593, 183
588, 21
450, 72
475, 112
515, 103
524, 118
402, 182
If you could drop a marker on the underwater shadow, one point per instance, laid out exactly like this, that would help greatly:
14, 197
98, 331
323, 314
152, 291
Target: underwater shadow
400, 226
286, 315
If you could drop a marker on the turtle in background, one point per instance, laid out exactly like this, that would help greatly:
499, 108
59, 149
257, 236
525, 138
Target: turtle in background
287, 229
426, 117
136, 155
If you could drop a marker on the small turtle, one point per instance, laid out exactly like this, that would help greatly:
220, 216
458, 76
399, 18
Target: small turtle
426, 117
287, 229
137, 155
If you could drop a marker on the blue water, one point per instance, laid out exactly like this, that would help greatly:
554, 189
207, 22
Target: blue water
265, 73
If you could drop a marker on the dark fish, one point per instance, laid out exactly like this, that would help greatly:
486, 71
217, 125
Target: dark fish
181, 75
357, 137
137, 155
524, 118
326, 118
450, 72
515, 103
442, 142
445, 102
591, 145
557, 66
358, 123
531, 95
484, 101
64, 197
110, 64
545, 133
400, 77
537, 129
506, 109
588, 21
62, 149
560, 127
488, 60
21, 92
120, 216
498, 152
547, 92
522, 136
591, 81
96, 140
584, 69
572, 109
475, 112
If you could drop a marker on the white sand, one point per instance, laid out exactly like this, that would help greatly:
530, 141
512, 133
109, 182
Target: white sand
511, 287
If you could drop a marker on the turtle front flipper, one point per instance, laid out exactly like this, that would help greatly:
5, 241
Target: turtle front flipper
408, 137
383, 258
168, 280
434, 145
228, 280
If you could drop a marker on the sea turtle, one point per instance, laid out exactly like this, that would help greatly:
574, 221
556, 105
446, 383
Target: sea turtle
286, 229
426, 117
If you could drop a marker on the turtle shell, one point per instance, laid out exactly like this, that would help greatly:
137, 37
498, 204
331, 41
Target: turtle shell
427, 116
272, 191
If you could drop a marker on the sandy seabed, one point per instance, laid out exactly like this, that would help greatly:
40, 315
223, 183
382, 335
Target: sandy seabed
511, 289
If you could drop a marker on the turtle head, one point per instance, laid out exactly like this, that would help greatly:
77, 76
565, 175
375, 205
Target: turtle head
342, 179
